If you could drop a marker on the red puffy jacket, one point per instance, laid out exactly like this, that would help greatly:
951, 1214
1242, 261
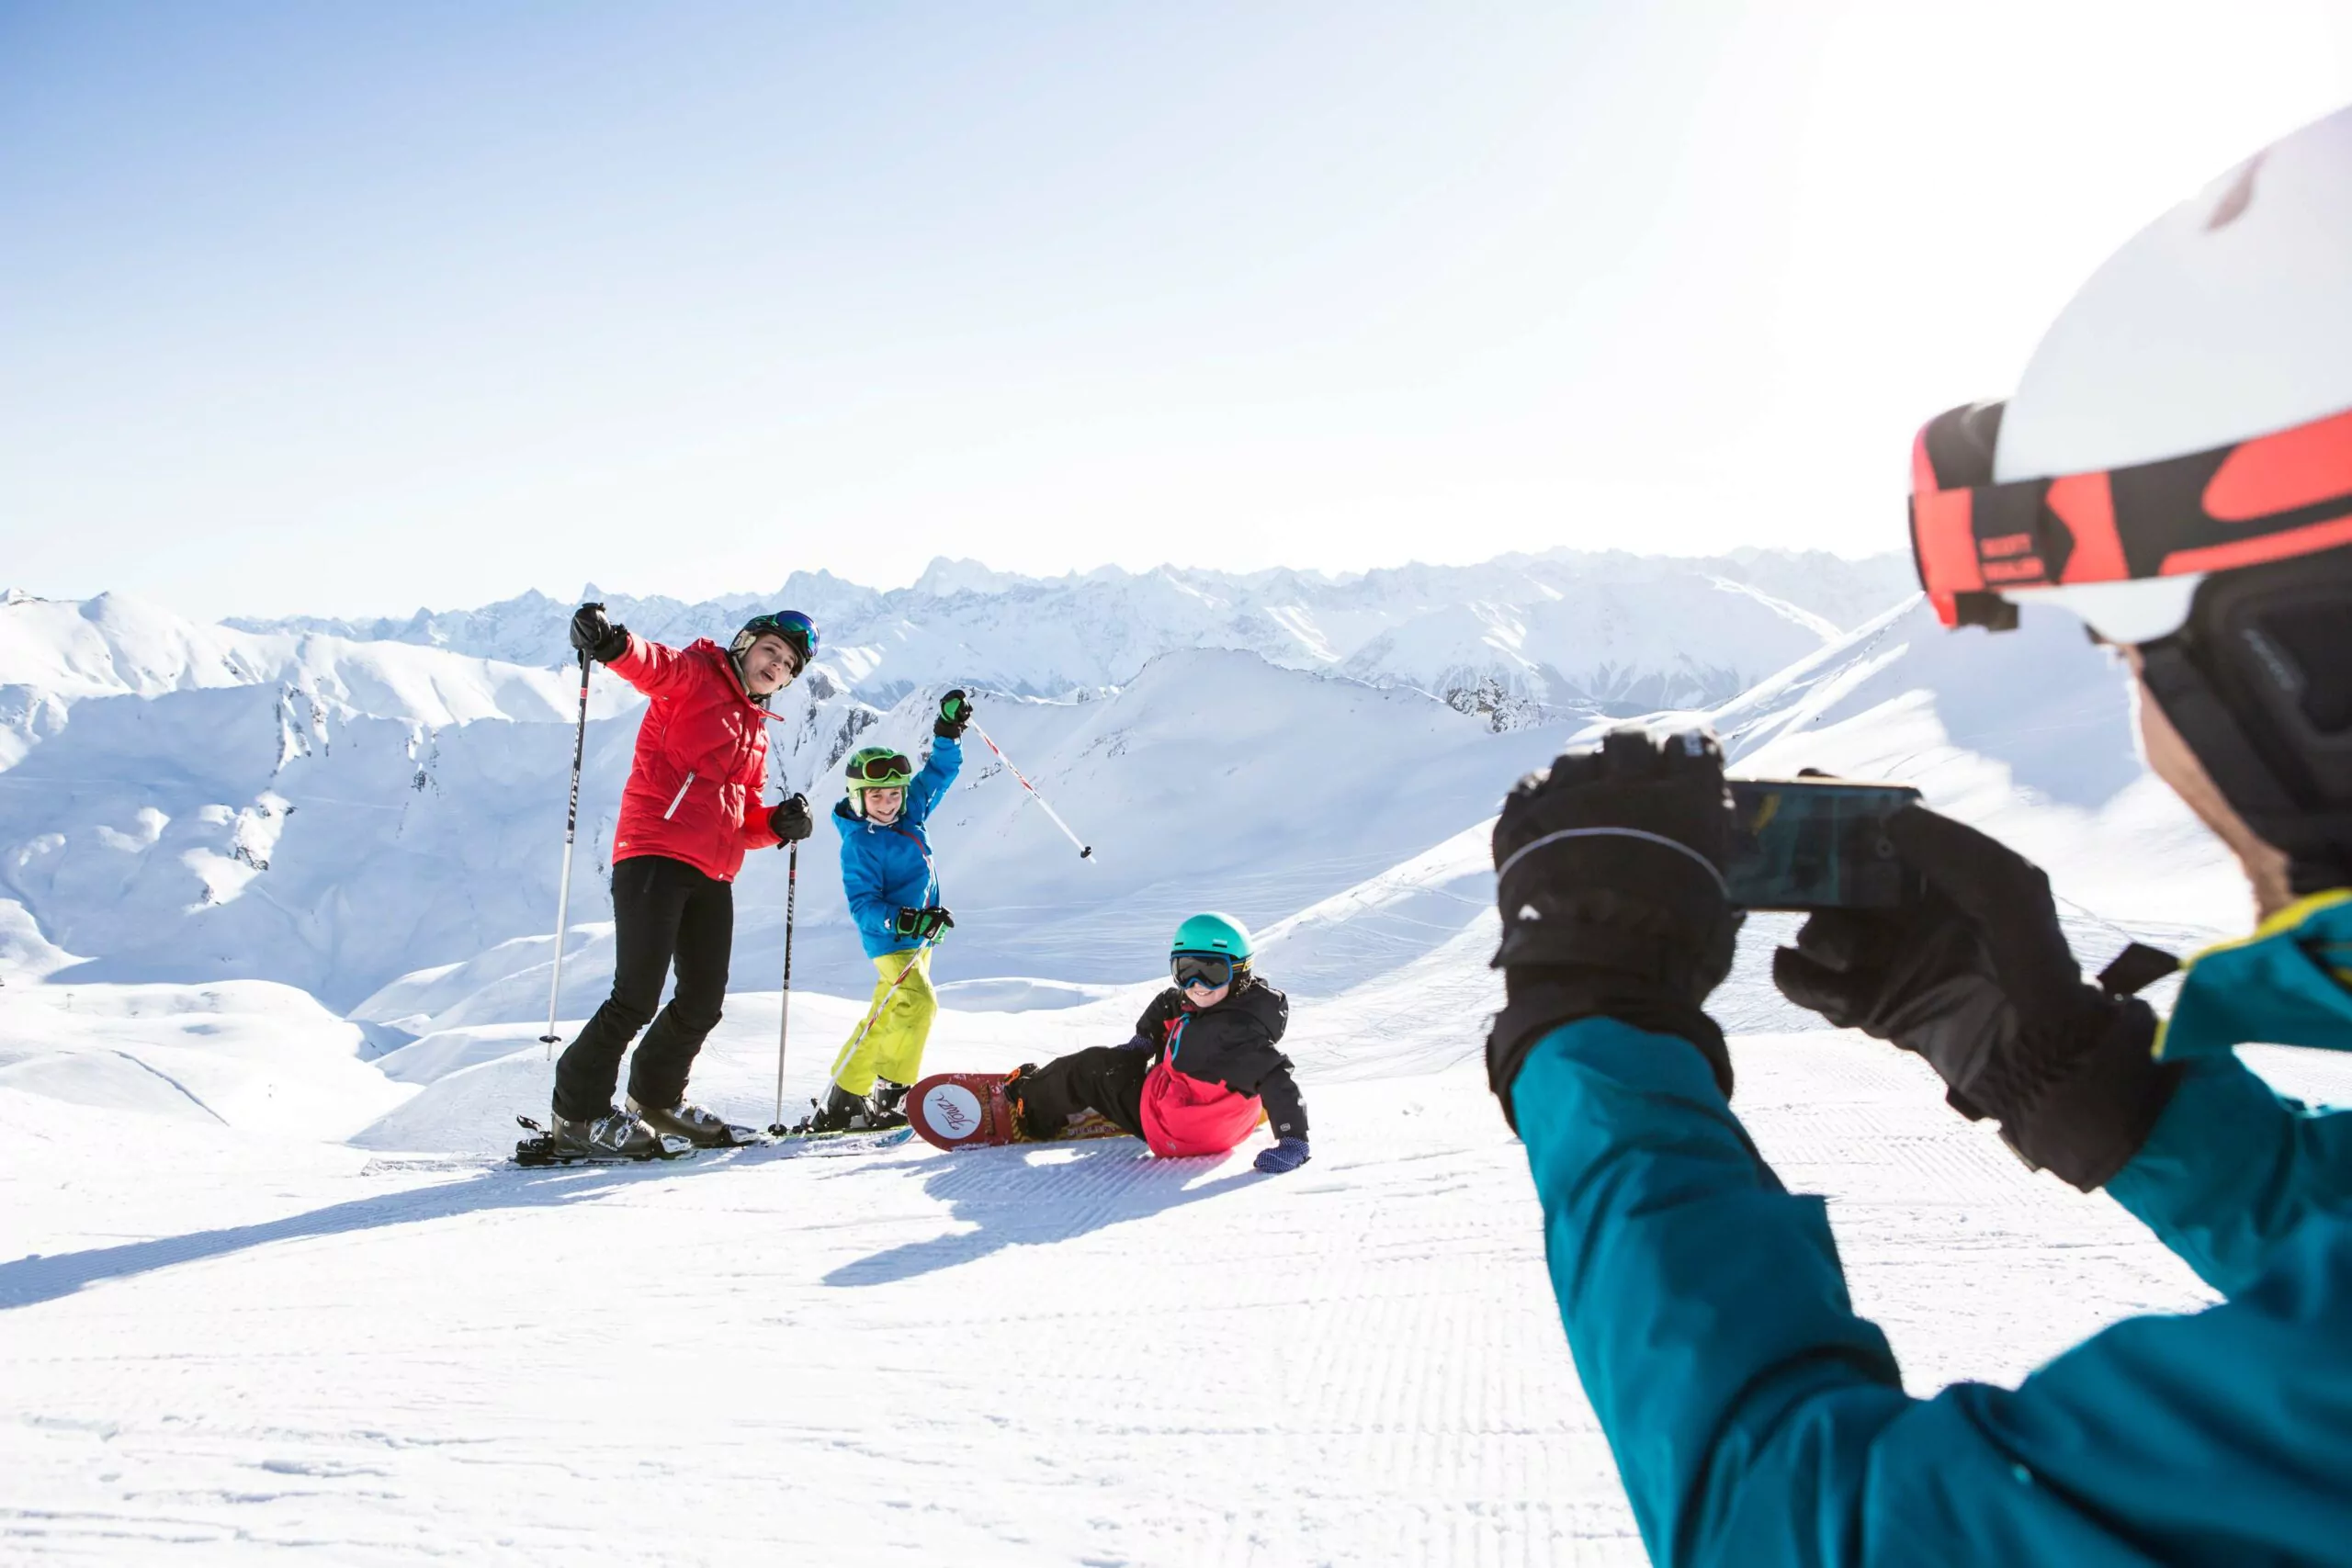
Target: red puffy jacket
702, 759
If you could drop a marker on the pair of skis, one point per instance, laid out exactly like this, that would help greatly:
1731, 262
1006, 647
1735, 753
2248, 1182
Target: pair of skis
542, 1148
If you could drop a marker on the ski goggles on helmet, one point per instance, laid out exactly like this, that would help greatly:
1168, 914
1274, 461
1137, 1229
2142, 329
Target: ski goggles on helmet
1210, 969
798, 632
890, 772
2124, 547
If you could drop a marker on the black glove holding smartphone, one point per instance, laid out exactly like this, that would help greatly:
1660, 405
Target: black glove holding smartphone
1977, 977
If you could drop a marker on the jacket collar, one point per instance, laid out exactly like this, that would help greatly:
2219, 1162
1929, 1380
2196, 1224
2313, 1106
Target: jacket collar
2290, 983
709, 649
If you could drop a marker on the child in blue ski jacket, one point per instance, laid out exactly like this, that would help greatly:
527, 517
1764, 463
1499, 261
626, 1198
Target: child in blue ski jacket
893, 892
2177, 468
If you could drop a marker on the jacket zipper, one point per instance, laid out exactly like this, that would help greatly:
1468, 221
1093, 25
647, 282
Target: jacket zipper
677, 800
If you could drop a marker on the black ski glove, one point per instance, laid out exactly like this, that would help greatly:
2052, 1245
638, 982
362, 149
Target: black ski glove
1163, 1010
597, 638
1611, 885
955, 713
1977, 979
790, 819
924, 924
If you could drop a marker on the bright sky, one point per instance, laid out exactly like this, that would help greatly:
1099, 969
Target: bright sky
350, 307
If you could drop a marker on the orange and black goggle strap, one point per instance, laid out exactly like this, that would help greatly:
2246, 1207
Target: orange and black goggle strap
2272, 498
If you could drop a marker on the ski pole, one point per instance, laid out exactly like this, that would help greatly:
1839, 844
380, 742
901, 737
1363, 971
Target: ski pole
784, 1014
873, 1016
571, 830
1085, 851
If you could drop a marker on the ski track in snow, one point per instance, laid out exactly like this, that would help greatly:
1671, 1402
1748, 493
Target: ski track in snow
235, 1349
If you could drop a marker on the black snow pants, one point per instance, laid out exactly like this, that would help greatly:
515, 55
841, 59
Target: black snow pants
1104, 1078
663, 911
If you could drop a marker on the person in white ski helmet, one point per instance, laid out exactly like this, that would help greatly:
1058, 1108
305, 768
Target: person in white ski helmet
2175, 469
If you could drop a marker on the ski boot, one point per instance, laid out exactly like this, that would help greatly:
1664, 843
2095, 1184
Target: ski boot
703, 1129
841, 1113
617, 1135
886, 1106
1015, 1082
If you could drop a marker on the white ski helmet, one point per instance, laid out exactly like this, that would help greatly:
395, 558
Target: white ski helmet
2175, 468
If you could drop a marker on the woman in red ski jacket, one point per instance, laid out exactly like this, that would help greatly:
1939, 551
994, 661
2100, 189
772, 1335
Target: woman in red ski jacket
689, 812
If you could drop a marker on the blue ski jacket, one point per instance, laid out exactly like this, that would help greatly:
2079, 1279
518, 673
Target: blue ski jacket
884, 869
1757, 1420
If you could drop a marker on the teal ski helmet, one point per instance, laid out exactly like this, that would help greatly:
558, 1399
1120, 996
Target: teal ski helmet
1210, 950
1212, 935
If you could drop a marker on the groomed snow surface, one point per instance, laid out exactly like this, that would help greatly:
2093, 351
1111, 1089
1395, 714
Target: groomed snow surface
266, 1286
226, 1346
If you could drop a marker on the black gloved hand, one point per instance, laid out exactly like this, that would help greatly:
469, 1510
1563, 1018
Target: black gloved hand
1977, 979
924, 924
594, 636
955, 713
1611, 891
1158, 1013
790, 821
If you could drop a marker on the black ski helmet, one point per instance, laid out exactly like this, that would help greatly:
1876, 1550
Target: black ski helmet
796, 631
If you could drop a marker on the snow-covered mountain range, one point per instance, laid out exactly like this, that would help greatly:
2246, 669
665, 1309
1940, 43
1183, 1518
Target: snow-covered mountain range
379, 822
333, 808
1594, 631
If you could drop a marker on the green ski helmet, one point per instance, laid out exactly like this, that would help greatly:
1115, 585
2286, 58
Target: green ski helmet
877, 767
1210, 947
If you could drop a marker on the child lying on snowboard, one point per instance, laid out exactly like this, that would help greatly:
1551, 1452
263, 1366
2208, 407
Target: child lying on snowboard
1203, 1066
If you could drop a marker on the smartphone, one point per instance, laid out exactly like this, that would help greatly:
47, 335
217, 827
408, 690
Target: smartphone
1817, 844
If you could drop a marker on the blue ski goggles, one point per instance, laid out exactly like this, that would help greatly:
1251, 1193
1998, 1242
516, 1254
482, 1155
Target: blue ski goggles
798, 632
1210, 969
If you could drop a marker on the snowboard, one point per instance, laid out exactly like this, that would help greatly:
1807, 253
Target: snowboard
966, 1111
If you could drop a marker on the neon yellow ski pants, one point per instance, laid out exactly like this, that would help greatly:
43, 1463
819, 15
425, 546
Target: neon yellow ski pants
892, 1048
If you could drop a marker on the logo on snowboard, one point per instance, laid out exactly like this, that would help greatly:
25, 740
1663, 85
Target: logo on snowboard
952, 1110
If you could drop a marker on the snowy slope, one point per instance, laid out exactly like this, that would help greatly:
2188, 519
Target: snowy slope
231, 1350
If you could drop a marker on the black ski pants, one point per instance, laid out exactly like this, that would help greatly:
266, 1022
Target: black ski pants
665, 911
1103, 1078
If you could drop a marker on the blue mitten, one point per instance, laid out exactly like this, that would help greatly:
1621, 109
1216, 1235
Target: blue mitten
1287, 1156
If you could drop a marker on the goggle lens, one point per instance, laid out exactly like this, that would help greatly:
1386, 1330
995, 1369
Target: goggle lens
790, 624
891, 769
1210, 969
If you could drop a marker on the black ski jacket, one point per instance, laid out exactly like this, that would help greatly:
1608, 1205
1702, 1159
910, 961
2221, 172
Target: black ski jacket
1232, 1044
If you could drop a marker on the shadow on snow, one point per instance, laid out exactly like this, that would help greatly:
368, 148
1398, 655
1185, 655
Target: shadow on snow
1016, 1199
30, 1280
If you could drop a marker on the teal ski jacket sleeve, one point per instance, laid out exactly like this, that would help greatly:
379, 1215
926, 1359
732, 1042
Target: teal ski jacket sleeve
1757, 1420
2232, 1168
